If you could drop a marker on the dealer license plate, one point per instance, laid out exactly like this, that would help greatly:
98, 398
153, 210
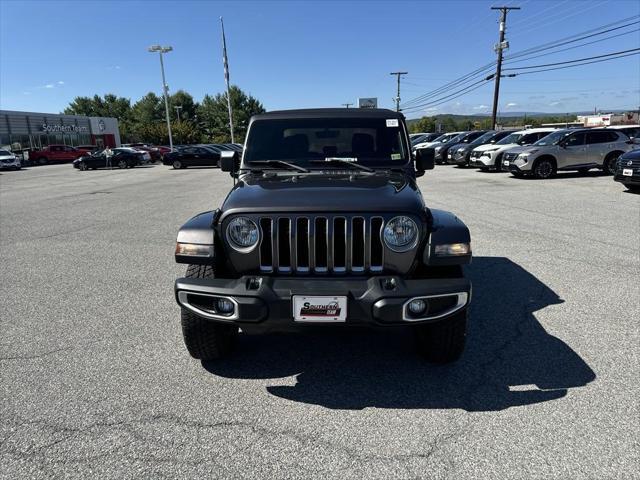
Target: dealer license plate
627, 172
319, 309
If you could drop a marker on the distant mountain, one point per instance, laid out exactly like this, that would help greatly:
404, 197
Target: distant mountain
510, 114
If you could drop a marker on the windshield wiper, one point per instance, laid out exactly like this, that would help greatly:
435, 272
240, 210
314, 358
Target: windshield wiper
279, 163
342, 161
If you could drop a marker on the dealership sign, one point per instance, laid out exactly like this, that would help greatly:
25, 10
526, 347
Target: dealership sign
63, 128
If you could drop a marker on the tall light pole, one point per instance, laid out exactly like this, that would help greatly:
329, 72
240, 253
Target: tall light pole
165, 88
178, 108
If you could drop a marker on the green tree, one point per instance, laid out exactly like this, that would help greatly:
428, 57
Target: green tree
108, 106
425, 124
185, 101
213, 115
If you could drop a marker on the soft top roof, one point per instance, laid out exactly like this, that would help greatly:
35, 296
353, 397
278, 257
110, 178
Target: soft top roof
330, 113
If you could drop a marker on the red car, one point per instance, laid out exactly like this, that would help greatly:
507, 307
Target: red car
55, 154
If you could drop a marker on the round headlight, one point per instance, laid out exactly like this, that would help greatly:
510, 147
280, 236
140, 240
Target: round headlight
242, 233
400, 233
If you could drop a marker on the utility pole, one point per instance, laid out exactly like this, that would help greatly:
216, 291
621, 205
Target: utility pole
502, 45
346, 105
397, 99
178, 108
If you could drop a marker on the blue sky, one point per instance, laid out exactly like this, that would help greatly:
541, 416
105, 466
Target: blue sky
308, 54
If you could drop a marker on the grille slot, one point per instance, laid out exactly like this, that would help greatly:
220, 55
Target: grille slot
357, 242
321, 244
266, 245
321, 236
376, 244
284, 244
339, 244
302, 244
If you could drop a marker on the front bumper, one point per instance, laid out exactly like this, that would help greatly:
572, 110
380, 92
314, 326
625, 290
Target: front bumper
266, 303
10, 164
485, 161
626, 179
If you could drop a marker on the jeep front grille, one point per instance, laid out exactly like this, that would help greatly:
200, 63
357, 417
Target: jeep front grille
321, 244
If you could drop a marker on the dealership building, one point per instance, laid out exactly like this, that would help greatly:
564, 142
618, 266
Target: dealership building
33, 131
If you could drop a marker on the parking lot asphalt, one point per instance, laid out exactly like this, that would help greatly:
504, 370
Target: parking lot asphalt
95, 380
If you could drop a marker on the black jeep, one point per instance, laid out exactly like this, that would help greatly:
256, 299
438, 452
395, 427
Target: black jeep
325, 226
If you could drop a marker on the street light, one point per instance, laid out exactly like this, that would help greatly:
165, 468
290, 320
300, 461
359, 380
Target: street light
165, 88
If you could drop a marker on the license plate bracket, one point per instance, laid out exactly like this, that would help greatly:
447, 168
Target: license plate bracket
319, 308
627, 172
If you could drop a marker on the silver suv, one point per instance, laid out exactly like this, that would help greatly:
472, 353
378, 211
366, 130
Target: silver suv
569, 149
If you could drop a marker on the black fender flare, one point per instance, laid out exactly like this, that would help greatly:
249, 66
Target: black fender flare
445, 228
198, 230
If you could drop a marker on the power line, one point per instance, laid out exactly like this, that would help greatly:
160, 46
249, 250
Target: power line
575, 46
549, 45
572, 61
453, 96
636, 52
481, 71
572, 38
464, 79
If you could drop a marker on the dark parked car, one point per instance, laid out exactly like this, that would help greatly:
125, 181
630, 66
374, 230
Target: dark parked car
325, 226
446, 152
122, 158
461, 154
427, 137
192, 156
628, 170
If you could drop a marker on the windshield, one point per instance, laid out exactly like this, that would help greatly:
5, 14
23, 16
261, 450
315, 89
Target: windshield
513, 138
5, 152
552, 138
483, 138
370, 141
456, 138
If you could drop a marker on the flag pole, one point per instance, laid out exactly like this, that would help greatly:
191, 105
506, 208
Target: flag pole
226, 79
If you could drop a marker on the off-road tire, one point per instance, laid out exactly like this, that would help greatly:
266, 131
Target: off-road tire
206, 339
443, 341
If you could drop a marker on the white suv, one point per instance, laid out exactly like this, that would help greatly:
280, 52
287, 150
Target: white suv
569, 149
489, 157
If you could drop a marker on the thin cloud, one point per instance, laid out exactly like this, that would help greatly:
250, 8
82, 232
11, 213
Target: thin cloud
49, 85
553, 104
511, 104
26, 93
481, 107
60, 82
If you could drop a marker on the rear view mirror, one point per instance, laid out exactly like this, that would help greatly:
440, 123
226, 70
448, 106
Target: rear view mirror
425, 160
228, 161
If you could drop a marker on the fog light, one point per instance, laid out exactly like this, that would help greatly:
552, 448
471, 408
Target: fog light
224, 306
417, 307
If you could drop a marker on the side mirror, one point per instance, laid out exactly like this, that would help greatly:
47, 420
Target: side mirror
425, 160
228, 161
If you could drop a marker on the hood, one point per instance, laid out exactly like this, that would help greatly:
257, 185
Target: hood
425, 145
525, 148
339, 192
494, 146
